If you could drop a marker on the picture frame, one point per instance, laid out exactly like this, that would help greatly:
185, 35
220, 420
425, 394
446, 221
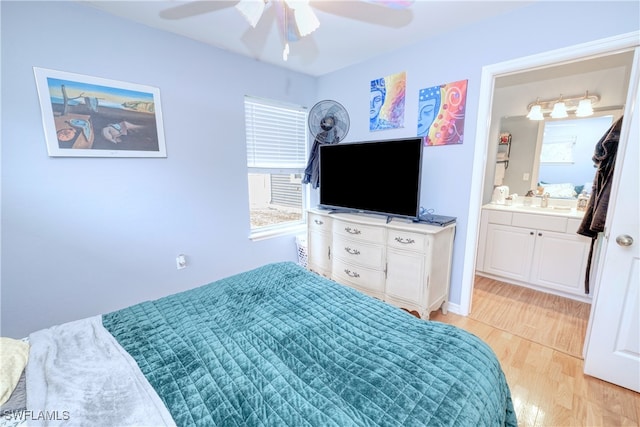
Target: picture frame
85, 116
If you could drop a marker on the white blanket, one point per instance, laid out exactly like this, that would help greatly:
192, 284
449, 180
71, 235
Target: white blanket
78, 375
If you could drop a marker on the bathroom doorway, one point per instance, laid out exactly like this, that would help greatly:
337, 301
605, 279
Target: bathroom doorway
529, 74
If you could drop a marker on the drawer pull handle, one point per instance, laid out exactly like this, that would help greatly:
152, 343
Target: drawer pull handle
407, 241
352, 230
351, 274
317, 221
352, 251
531, 233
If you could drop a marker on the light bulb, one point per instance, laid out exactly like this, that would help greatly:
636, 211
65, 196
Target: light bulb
559, 110
584, 108
535, 113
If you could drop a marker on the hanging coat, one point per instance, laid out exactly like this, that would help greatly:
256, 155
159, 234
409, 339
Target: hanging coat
312, 171
595, 215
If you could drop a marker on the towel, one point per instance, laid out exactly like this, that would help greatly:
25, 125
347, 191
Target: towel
499, 176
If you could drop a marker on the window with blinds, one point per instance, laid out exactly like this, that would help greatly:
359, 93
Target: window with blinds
276, 135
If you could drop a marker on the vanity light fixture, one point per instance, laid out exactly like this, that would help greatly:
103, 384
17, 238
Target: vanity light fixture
559, 108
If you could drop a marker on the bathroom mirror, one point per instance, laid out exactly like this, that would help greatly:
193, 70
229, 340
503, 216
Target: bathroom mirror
555, 154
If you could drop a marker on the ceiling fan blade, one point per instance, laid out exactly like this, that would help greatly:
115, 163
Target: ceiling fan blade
255, 39
395, 4
194, 8
366, 11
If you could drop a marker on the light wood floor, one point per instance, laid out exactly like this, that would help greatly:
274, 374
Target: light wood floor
547, 384
559, 323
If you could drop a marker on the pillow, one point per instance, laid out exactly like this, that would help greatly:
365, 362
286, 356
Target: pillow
566, 190
14, 355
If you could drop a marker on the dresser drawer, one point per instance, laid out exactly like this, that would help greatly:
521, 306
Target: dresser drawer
369, 233
358, 252
407, 240
362, 278
319, 222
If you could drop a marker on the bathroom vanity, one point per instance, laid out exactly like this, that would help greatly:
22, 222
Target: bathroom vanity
534, 247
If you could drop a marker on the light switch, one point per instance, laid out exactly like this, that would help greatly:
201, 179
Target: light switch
525, 176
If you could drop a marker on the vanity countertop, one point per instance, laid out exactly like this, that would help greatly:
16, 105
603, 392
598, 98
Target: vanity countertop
536, 209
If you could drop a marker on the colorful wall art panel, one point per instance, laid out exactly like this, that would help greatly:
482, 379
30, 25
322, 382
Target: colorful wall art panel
441, 113
386, 102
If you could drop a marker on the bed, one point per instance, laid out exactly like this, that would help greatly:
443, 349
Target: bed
274, 346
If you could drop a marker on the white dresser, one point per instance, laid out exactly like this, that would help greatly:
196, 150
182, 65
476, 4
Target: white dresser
404, 263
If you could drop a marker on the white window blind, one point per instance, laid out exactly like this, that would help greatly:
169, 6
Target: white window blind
276, 134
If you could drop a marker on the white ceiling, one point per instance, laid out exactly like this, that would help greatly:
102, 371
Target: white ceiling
351, 31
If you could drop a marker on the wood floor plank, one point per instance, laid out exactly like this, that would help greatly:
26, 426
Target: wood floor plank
540, 350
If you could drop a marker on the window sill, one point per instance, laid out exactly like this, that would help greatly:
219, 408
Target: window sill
278, 232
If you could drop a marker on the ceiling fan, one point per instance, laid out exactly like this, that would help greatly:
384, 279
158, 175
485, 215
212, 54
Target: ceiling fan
296, 18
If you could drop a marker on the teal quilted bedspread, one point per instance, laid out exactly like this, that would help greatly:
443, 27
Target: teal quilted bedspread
280, 346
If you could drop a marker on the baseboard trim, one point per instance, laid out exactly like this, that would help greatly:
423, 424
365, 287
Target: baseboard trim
455, 309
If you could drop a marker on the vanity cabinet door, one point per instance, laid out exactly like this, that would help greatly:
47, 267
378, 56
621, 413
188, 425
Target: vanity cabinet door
560, 260
508, 251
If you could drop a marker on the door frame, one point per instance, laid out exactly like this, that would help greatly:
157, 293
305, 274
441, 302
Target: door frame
602, 47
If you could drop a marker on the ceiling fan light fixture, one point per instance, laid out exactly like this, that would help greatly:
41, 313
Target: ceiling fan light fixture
252, 10
306, 20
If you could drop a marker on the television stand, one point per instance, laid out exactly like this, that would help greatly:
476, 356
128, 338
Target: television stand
404, 263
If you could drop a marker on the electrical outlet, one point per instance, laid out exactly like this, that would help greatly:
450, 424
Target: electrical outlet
525, 176
181, 262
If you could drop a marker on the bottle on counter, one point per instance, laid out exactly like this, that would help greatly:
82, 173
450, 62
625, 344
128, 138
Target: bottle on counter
528, 198
583, 201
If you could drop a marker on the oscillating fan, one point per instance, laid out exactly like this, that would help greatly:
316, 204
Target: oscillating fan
328, 122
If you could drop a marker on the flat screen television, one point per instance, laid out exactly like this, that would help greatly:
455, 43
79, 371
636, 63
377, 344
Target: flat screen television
381, 177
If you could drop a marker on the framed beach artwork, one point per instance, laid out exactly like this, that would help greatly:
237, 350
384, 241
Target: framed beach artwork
86, 116
386, 102
441, 111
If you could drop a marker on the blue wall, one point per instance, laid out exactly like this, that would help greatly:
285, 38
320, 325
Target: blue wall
460, 55
83, 236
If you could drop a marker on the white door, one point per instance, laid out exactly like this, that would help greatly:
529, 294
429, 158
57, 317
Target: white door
612, 350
